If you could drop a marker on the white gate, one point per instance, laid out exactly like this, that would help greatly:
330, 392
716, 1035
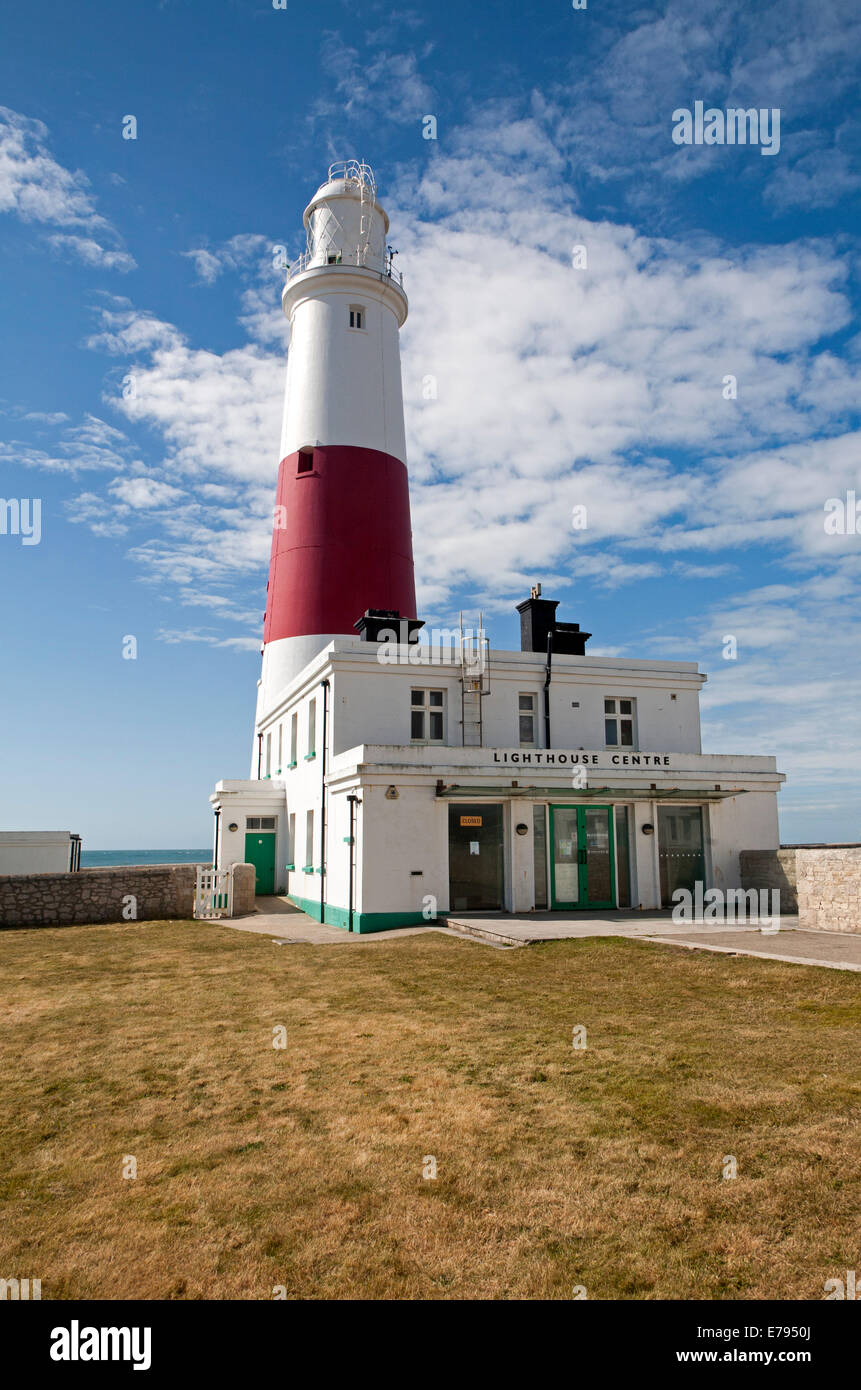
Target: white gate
213, 893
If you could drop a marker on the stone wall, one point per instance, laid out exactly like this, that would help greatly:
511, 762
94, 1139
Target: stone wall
822, 883
771, 868
244, 881
829, 888
97, 895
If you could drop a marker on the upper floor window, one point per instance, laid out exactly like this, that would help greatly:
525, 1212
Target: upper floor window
312, 729
357, 316
294, 738
427, 716
526, 720
619, 716
268, 755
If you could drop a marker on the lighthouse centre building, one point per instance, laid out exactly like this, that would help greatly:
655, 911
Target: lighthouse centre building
399, 774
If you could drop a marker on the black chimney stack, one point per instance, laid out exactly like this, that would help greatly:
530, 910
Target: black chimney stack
376, 621
538, 620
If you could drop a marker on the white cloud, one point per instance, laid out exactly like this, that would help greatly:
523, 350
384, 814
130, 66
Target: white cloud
92, 444
35, 187
385, 84
239, 252
144, 493
176, 636
88, 250
95, 512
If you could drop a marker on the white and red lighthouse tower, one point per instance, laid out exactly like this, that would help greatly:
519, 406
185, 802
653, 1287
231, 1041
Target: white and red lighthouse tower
342, 541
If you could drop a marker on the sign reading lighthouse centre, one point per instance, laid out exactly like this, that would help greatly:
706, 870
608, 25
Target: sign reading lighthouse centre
545, 759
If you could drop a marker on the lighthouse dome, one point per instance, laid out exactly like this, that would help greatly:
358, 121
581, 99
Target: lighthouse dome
345, 223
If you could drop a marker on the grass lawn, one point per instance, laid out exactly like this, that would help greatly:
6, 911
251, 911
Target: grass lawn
303, 1167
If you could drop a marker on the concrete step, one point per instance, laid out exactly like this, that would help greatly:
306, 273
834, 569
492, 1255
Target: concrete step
493, 938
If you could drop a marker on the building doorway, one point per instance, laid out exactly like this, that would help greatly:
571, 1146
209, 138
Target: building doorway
260, 851
680, 850
582, 859
476, 857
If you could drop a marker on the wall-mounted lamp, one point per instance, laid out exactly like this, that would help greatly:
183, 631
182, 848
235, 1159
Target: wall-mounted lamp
648, 829
522, 829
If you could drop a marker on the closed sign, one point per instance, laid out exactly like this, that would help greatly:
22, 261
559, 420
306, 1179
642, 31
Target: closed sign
470, 820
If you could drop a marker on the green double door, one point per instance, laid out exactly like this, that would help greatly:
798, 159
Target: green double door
582, 858
260, 851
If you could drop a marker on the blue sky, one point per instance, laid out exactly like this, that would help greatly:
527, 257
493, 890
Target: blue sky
557, 386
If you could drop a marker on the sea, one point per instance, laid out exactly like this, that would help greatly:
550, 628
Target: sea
121, 858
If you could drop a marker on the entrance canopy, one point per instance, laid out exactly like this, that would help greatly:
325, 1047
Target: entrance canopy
562, 793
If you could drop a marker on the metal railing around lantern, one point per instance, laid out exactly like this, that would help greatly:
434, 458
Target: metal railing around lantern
322, 260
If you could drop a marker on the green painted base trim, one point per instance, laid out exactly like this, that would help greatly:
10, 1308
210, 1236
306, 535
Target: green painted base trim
363, 922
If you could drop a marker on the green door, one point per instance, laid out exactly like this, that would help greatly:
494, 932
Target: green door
582, 863
260, 851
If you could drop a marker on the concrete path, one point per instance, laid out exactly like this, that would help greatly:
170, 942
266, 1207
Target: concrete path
287, 925
836, 950
277, 917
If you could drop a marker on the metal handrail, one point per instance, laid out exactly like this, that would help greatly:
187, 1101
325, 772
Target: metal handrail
319, 260
354, 171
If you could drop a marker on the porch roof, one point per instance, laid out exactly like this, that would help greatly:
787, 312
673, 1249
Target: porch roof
455, 790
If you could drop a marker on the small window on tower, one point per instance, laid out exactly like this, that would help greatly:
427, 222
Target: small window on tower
306, 462
357, 316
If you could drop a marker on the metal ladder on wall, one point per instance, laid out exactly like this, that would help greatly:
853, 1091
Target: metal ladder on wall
367, 199
474, 683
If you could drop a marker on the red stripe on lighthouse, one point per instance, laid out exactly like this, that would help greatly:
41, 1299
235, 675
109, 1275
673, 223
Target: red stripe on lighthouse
342, 542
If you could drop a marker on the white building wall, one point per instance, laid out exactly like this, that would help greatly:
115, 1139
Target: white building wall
373, 700
397, 838
522, 886
34, 851
740, 822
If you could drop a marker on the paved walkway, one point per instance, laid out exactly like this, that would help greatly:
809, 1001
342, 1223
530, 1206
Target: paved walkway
836, 950
278, 918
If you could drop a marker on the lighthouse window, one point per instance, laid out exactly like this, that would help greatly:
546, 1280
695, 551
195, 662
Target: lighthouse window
526, 718
357, 316
306, 462
619, 723
427, 716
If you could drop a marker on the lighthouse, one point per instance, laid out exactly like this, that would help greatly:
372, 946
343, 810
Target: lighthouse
341, 541
398, 781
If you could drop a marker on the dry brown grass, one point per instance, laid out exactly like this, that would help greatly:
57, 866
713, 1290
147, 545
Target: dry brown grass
303, 1167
